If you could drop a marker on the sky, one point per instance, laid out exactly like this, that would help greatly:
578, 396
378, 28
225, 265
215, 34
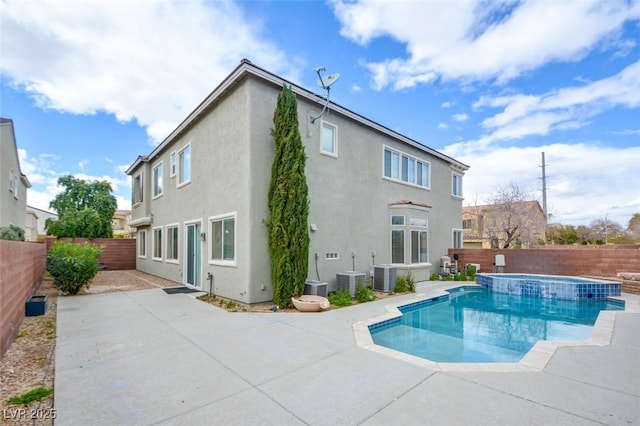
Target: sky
90, 85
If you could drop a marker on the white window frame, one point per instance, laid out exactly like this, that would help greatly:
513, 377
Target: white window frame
222, 218
138, 183
420, 231
168, 240
142, 243
16, 186
173, 164
455, 240
400, 173
181, 165
420, 225
11, 182
334, 128
397, 227
454, 186
156, 244
158, 180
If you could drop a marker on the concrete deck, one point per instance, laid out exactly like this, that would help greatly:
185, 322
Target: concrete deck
146, 357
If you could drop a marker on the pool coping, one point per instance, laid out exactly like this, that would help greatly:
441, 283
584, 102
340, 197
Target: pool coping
535, 360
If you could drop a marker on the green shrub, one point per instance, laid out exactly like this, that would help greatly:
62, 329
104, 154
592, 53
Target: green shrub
14, 233
341, 297
33, 395
365, 294
72, 266
434, 277
405, 283
471, 272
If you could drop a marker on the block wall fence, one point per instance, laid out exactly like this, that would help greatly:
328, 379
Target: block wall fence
117, 253
23, 267
573, 261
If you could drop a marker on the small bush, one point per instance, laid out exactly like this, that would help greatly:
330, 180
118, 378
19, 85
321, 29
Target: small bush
14, 233
471, 272
72, 266
434, 277
341, 297
405, 283
32, 396
365, 294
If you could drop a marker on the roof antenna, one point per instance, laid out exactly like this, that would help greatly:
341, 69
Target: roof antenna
325, 82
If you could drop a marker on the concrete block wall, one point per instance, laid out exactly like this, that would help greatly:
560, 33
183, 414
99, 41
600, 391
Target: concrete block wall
22, 269
576, 261
117, 253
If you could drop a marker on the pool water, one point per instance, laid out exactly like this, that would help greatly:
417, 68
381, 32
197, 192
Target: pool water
474, 325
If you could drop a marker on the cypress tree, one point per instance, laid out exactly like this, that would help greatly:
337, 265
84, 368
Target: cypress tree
288, 204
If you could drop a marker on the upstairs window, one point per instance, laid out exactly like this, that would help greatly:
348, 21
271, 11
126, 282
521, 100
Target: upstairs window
329, 139
172, 164
157, 180
16, 186
11, 182
184, 165
405, 168
456, 185
138, 186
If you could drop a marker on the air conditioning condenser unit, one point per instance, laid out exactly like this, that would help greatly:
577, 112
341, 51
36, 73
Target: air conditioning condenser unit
384, 278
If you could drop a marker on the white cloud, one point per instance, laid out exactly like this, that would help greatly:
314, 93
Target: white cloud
568, 108
356, 89
447, 104
479, 40
150, 61
460, 117
627, 132
579, 178
82, 164
43, 173
442, 126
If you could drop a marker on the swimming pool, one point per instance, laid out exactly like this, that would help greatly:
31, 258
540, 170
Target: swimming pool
473, 325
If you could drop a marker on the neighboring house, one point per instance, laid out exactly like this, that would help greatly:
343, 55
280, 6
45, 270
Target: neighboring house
120, 224
37, 228
486, 226
200, 197
13, 183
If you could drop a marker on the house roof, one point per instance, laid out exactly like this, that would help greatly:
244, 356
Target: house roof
247, 68
487, 208
9, 122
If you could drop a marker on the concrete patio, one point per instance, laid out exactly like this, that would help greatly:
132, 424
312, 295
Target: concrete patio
146, 357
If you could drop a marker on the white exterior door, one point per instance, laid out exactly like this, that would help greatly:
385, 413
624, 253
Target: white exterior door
193, 258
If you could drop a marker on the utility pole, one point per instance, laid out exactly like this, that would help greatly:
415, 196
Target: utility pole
544, 188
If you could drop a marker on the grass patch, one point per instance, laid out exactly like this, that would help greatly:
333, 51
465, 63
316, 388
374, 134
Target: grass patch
33, 395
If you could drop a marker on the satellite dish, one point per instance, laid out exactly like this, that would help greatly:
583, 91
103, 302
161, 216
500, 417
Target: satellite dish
326, 81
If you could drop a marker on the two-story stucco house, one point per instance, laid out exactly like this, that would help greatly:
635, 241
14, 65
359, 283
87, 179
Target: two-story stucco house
200, 197
13, 183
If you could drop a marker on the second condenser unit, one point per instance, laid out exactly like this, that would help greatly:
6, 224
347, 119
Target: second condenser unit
384, 278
